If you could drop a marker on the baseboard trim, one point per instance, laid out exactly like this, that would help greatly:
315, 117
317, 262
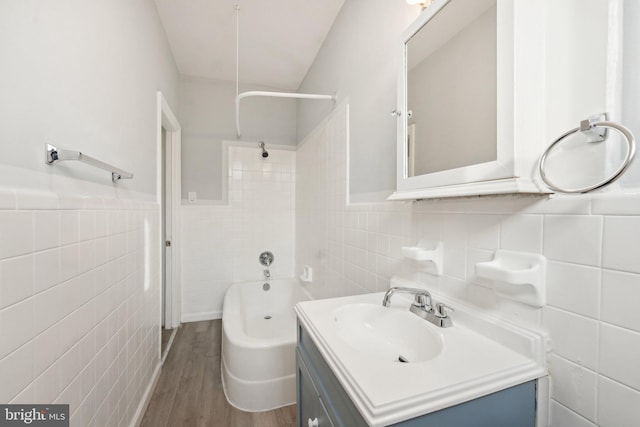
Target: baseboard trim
169, 344
204, 315
144, 403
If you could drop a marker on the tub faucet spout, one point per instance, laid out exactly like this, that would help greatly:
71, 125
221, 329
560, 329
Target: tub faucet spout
267, 273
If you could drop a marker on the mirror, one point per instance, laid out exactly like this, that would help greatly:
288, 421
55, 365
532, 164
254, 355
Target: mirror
451, 89
471, 99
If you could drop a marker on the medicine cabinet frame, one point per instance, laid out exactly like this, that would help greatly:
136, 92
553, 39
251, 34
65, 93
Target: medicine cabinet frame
520, 110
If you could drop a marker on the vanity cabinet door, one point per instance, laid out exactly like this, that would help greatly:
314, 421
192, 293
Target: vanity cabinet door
332, 395
513, 407
311, 410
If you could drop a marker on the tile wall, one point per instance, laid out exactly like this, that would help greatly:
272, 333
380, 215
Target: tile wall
592, 244
222, 242
79, 304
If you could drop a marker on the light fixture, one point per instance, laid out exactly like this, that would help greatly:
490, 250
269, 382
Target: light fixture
423, 3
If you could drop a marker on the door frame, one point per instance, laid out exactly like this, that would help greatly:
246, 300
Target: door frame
173, 139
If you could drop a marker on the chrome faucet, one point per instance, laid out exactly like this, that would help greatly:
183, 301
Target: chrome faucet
267, 274
422, 306
422, 297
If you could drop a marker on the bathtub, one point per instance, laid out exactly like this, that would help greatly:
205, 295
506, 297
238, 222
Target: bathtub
258, 344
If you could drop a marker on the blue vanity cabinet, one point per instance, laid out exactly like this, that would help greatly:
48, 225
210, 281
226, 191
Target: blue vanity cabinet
316, 381
322, 401
311, 409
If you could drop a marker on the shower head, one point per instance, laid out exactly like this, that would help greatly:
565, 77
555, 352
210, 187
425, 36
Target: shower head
265, 154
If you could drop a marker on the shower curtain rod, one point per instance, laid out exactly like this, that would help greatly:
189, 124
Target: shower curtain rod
274, 95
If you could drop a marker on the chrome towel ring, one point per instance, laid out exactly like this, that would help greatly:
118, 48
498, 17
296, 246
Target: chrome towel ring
596, 132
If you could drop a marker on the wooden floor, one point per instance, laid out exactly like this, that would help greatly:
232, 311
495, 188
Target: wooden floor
189, 391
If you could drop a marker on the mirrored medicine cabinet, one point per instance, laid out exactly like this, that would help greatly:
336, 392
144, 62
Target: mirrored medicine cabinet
470, 104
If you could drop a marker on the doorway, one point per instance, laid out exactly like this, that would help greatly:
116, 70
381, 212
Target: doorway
169, 199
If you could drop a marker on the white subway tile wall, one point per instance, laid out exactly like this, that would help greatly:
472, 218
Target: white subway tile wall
79, 303
222, 242
592, 244
618, 406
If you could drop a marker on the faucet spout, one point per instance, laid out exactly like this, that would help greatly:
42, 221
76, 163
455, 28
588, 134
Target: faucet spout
422, 297
422, 306
267, 273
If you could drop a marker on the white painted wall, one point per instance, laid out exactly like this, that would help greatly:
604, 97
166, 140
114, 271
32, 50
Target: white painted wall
358, 60
630, 90
79, 255
207, 117
83, 76
576, 59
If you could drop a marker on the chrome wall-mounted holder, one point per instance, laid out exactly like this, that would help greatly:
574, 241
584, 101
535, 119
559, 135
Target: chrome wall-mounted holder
54, 154
593, 133
595, 129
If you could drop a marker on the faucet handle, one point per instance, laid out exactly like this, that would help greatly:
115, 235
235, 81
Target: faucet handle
422, 301
442, 310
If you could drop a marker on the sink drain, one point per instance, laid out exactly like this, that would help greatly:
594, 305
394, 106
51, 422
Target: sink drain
267, 317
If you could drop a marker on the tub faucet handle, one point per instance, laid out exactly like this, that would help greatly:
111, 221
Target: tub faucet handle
266, 258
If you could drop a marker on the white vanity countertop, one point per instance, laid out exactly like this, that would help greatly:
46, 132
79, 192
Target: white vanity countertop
470, 365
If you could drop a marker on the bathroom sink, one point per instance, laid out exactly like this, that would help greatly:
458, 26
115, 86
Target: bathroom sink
387, 334
361, 341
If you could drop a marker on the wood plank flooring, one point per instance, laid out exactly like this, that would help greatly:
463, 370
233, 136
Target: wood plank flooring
189, 391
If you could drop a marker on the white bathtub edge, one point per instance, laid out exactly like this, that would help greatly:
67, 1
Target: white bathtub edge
203, 315
267, 401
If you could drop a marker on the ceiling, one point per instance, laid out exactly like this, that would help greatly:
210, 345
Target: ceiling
279, 39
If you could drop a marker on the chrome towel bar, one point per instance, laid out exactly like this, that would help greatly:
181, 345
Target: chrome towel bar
595, 131
54, 154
